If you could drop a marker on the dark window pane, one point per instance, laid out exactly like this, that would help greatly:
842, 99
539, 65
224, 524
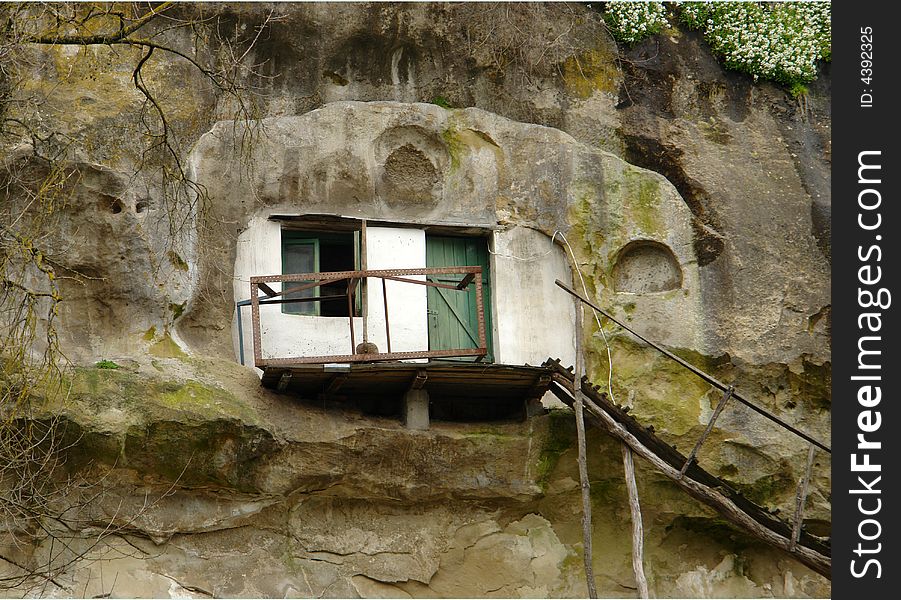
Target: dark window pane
299, 256
319, 252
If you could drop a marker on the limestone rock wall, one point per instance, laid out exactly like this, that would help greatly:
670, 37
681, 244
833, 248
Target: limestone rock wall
206, 485
697, 207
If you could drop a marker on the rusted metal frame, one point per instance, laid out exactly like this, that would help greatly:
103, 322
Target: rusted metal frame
801, 498
360, 273
387, 325
351, 283
341, 275
706, 377
364, 286
268, 290
716, 413
310, 299
464, 283
273, 294
300, 288
255, 319
426, 283
480, 314
331, 276
346, 358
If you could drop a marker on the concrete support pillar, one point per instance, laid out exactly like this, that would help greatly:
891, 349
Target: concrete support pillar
416, 409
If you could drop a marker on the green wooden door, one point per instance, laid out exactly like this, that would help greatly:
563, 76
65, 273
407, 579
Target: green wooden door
453, 316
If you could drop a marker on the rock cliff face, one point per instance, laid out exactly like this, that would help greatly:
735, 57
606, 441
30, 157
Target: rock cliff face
697, 206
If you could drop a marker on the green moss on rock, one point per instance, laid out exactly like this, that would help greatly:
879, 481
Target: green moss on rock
591, 71
167, 348
666, 395
455, 146
812, 385
177, 261
560, 437
179, 430
101, 390
177, 309
769, 490
642, 201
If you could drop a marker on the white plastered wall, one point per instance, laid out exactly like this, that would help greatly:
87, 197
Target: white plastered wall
533, 318
397, 248
283, 335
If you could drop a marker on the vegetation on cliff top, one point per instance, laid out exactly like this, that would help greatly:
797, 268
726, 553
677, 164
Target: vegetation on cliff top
781, 42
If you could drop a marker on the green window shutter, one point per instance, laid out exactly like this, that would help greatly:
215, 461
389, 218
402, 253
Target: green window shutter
453, 316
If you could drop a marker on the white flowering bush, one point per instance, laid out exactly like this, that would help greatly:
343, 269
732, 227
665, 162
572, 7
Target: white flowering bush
781, 42
777, 41
630, 22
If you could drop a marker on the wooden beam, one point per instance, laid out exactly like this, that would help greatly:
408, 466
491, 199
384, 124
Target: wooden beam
801, 497
335, 384
464, 283
716, 413
637, 531
587, 551
540, 385
419, 380
712, 497
284, 381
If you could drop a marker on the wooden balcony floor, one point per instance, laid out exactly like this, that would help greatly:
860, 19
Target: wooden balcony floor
457, 390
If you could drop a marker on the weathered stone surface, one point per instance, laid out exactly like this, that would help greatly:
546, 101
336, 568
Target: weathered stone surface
275, 498
343, 526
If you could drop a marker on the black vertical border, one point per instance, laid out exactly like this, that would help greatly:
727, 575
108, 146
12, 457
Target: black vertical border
856, 129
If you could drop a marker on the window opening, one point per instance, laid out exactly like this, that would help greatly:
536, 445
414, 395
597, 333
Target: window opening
319, 252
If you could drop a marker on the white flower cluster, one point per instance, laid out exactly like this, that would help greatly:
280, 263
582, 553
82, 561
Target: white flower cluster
693, 14
781, 41
630, 22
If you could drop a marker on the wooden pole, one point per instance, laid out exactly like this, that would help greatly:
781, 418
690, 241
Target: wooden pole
716, 413
714, 498
587, 552
801, 498
637, 530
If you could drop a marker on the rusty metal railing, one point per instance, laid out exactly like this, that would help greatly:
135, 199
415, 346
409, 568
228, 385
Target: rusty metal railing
315, 280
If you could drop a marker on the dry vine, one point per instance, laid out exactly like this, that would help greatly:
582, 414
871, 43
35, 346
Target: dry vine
40, 497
